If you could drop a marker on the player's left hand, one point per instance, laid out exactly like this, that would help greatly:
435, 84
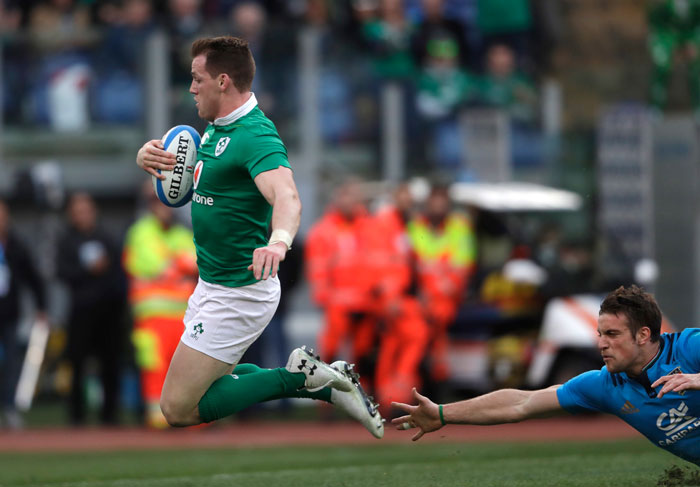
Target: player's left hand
266, 260
677, 383
424, 416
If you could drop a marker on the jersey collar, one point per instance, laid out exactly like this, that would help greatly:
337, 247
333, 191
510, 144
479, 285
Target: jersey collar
655, 357
651, 362
643, 378
239, 112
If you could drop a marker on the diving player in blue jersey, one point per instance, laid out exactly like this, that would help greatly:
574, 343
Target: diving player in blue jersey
650, 380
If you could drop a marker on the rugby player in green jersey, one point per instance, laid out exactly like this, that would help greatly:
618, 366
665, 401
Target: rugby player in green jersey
243, 184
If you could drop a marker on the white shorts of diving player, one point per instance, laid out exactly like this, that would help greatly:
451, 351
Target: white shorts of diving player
223, 322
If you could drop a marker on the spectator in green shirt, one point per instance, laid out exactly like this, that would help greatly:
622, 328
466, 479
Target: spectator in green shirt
388, 36
503, 86
443, 88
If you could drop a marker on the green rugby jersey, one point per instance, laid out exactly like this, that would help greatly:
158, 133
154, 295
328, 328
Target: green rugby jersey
230, 217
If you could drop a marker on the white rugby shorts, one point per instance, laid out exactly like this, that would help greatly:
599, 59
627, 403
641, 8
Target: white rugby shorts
222, 321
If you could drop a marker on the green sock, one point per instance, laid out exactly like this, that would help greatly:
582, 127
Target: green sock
322, 395
250, 384
243, 369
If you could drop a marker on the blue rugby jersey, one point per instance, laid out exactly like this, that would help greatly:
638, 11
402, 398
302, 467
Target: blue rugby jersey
671, 422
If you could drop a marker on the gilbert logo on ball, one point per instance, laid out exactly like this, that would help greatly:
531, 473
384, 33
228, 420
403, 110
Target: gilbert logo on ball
176, 189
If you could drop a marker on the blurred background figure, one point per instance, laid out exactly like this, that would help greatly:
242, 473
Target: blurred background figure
444, 83
14, 62
88, 262
17, 272
436, 29
507, 22
336, 253
10, 19
673, 35
504, 86
61, 34
403, 330
387, 32
184, 22
117, 95
247, 19
444, 244
161, 263
336, 91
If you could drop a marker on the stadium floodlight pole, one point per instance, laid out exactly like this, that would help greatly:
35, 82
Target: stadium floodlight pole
551, 107
646, 159
393, 138
309, 165
157, 70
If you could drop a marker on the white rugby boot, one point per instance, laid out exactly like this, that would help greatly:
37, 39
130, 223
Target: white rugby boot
318, 373
356, 402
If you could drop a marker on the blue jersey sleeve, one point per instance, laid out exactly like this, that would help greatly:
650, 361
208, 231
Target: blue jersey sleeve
583, 393
689, 348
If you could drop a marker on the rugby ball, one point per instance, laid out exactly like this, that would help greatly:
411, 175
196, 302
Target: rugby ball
176, 189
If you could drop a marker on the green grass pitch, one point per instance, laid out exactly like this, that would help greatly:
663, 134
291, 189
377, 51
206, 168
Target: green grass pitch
620, 463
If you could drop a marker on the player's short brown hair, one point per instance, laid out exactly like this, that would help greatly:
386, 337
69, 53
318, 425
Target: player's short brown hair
230, 55
638, 306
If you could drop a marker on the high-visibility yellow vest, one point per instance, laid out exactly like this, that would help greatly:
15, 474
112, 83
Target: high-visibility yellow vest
452, 244
161, 264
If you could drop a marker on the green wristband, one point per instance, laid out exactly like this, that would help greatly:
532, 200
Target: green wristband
442, 418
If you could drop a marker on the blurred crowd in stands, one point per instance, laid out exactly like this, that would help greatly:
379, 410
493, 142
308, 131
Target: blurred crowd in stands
72, 63
77, 63
451, 52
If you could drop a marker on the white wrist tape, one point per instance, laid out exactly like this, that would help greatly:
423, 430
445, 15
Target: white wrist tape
280, 235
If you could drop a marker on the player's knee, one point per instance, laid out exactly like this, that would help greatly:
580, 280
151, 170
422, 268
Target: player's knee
174, 415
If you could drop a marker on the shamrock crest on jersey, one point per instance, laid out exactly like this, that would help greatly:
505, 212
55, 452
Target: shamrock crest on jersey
221, 145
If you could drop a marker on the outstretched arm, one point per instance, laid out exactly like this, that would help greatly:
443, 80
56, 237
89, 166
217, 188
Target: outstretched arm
279, 189
677, 383
503, 406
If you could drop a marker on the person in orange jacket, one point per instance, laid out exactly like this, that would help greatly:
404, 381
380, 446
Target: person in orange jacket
446, 250
404, 332
335, 256
159, 258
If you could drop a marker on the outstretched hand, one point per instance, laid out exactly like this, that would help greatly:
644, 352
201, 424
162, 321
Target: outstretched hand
425, 416
677, 383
